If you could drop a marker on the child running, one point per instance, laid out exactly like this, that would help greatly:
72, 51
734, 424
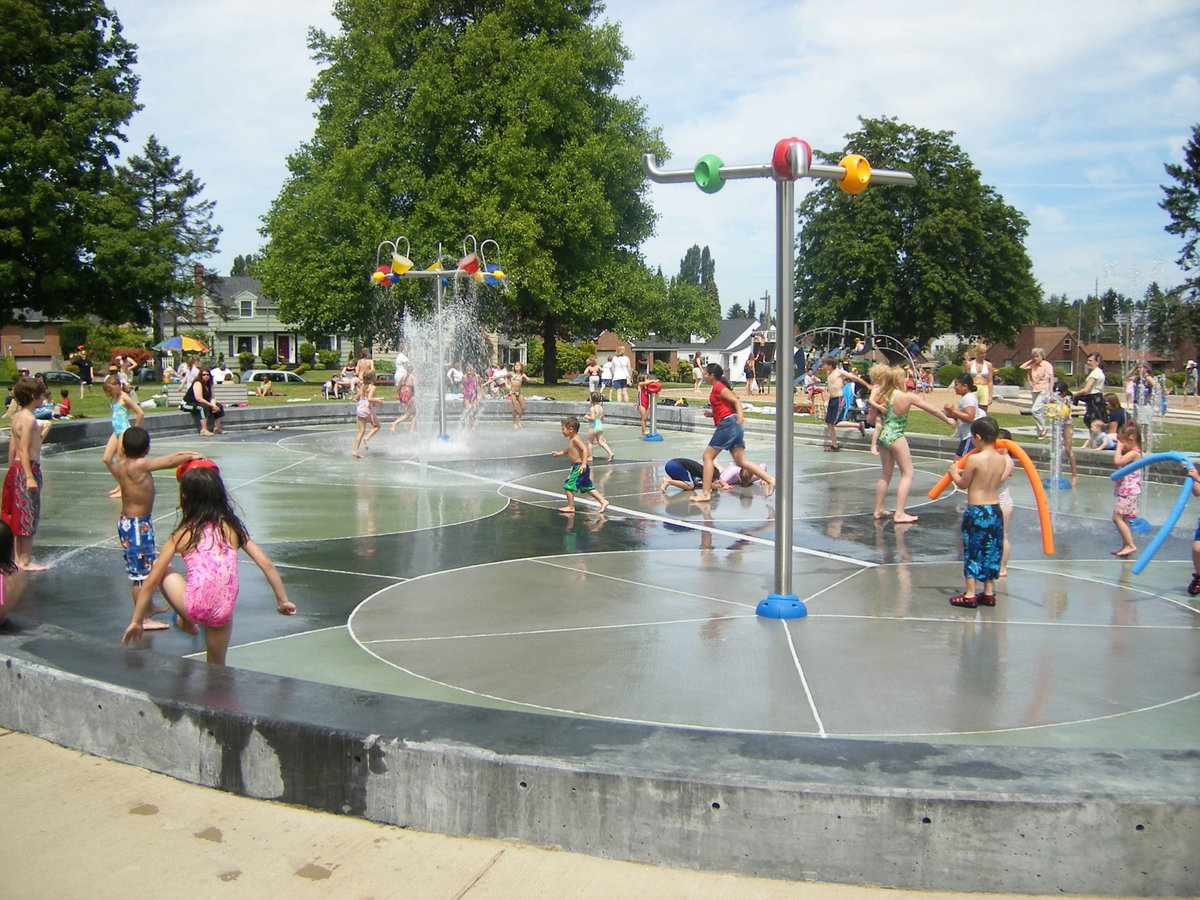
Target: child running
1129, 488
134, 469
728, 433
121, 405
580, 478
982, 522
21, 497
208, 538
364, 412
595, 415
406, 396
894, 404
836, 406
1006, 500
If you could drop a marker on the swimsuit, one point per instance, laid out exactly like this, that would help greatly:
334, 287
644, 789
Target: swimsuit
983, 541
120, 419
1127, 491
598, 422
363, 409
894, 426
580, 479
136, 535
212, 579
21, 508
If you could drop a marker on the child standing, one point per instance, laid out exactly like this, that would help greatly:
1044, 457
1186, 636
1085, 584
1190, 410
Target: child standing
982, 522
21, 497
595, 415
516, 381
470, 391
134, 470
964, 412
1006, 500
121, 406
728, 433
1128, 489
580, 478
364, 412
208, 538
1194, 588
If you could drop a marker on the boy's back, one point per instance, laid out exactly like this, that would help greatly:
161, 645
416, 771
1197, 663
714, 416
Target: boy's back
137, 486
986, 469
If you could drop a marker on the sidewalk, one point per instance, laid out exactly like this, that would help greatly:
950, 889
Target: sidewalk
79, 826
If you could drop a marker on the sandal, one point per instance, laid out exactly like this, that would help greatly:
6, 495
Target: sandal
964, 601
833, 448
987, 599
1194, 587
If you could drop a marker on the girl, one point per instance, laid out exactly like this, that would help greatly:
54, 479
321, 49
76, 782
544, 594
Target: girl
202, 402
875, 376
470, 388
728, 433
406, 395
1062, 400
592, 371
894, 404
208, 538
364, 412
1005, 498
120, 407
516, 380
1129, 488
595, 415
643, 401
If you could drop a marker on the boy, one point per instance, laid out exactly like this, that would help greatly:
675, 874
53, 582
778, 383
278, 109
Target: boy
964, 412
63, 409
21, 498
135, 528
580, 478
982, 522
835, 402
1194, 588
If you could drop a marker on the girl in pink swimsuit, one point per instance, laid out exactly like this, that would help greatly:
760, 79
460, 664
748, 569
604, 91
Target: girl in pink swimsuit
208, 538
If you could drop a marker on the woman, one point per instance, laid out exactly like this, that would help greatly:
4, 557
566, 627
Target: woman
1092, 392
592, 371
728, 434
202, 403
893, 404
981, 373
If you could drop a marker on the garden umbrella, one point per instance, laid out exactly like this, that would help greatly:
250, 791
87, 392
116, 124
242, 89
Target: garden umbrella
182, 343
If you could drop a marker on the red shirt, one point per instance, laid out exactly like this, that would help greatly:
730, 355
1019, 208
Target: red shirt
720, 406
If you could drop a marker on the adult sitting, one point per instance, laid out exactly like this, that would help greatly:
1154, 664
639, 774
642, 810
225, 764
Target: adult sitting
202, 403
347, 382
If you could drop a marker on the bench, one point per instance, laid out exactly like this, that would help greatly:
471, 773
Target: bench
229, 394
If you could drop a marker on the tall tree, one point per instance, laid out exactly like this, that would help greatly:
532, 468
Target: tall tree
243, 265
494, 117
1182, 203
945, 256
737, 311
66, 89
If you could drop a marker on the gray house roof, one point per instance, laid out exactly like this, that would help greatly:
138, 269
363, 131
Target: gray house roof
225, 289
732, 335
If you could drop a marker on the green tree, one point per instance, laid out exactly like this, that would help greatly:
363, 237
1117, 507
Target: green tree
66, 89
944, 256
1182, 203
494, 117
737, 312
242, 265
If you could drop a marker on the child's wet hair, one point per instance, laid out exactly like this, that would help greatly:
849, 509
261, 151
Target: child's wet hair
570, 423
985, 429
597, 397
8, 561
135, 442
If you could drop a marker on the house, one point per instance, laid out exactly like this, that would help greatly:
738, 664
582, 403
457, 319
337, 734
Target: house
1061, 346
33, 343
729, 348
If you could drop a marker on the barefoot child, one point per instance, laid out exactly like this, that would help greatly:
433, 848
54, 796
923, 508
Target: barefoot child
982, 522
364, 412
121, 406
965, 411
134, 469
1128, 489
835, 401
12, 579
406, 396
21, 498
595, 415
580, 478
728, 433
208, 538
470, 394
1006, 500
516, 382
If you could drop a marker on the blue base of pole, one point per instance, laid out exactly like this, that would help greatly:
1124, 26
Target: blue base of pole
782, 606
653, 436
1140, 526
443, 437
1064, 483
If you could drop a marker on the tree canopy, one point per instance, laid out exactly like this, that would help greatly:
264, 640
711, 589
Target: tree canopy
495, 118
1182, 203
66, 89
945, 256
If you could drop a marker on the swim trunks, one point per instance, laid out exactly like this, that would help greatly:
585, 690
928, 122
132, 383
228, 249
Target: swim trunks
983, 541
833, 410
579, 480
136, 534
21, 508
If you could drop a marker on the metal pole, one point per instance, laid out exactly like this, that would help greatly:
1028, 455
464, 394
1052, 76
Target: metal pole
785, 240
441, 368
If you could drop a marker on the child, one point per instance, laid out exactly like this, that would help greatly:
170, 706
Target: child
1194, 588
1062, 400
21, 498
1099, 438
364, 412
12, 580
875, 375
728, 433
964, 412
982, 522
134, 470
643, 400
516, 380
1129, 488
580, 478
470, 391
835, 402
406, 396
1006, 500
685, 474
62, 409
208, 539
595, 415
120, 406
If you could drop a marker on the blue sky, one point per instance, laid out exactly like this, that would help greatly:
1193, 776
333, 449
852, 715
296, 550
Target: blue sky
1068, 109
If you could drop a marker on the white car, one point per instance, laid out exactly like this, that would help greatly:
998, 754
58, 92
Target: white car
278, 376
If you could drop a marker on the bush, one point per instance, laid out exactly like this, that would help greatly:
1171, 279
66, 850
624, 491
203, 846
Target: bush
301, 369
945, 374
268, 356
662, 370
106, 341
8, 371
570, 358
245, 360
306, 353
328, 359
139, 354
683, 371
1012, 375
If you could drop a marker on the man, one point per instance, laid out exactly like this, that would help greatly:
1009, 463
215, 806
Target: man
191, 371
84, 365
220, 373
1041, 378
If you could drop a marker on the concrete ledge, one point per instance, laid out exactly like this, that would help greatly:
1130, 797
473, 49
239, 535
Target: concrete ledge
903, 814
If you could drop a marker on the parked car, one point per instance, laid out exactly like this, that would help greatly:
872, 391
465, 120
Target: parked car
57, 376
278, 376
387, 378
579, 380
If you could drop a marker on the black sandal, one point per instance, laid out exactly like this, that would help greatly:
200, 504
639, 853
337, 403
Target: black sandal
1194, 587
987, 599
833, 449
964, 601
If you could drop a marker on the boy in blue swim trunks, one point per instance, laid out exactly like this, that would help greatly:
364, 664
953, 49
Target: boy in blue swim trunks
982, 522
580, 479
135, 529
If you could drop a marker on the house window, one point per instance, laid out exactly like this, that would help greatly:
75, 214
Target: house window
1067, 366
33, 333
247, 309
1066, 345
245, 345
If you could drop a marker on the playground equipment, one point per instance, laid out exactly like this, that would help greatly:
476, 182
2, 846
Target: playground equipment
1176, 511
791, 159
473, 264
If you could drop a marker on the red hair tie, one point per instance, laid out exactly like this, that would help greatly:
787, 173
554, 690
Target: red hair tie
195, 464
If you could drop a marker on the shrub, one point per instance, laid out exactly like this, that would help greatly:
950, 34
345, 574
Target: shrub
662, 370
1013, 375
683, 371
301, 369
570, 358
268, 356
328, 359
139, 354
306, 353
945, 374
106, 341
72, 336
245, 360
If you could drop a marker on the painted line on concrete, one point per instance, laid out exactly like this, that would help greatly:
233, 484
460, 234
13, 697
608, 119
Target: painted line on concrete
812, 704
546, 562
565, 630
396, 578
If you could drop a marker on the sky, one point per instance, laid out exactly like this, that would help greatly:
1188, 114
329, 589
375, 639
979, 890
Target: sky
1068, 109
